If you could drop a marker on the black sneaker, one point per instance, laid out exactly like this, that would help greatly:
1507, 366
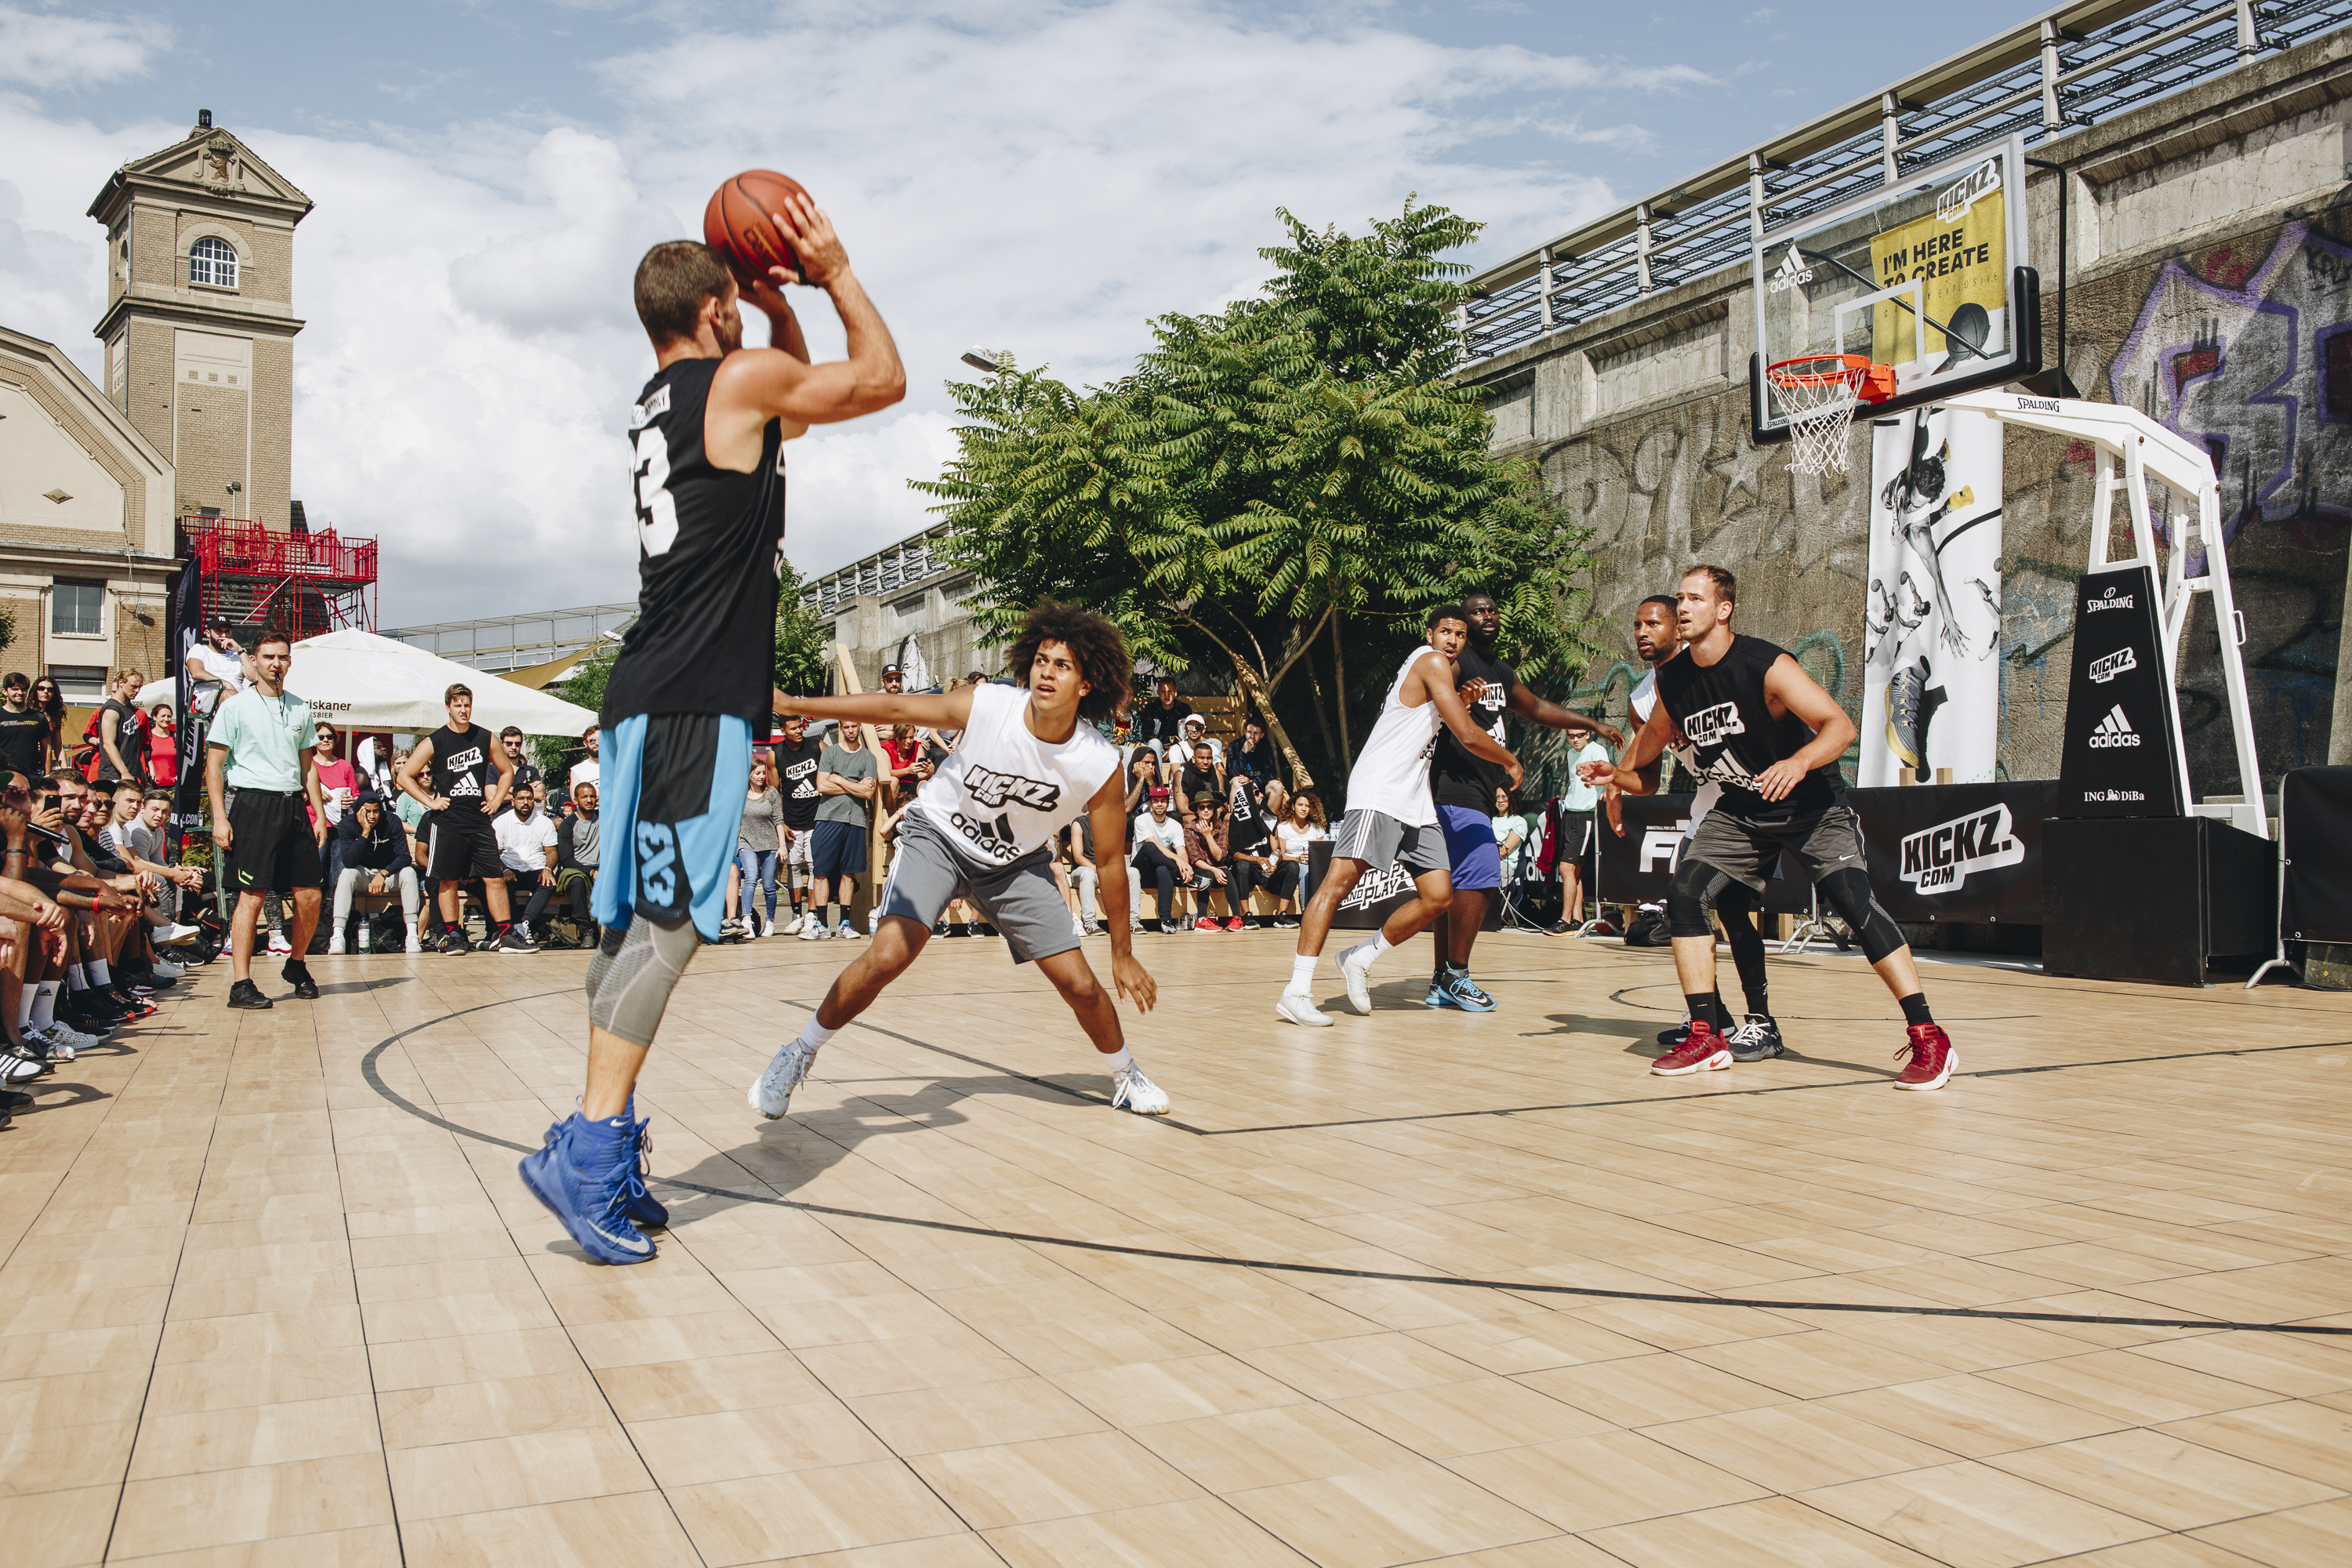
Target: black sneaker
453, 941
1675, 1035
1758, 1039
246, 994
940, 928
297, 973
514, 940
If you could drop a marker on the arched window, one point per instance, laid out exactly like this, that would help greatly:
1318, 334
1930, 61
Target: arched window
210, 260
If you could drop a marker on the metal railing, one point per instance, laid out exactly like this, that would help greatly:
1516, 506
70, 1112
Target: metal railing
904, 564
2072, 67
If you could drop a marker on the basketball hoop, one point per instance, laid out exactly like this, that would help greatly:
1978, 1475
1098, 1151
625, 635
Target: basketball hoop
1820, 393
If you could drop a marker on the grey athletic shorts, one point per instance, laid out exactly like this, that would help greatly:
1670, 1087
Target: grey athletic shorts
1020, 900
1377, 838
1747, 851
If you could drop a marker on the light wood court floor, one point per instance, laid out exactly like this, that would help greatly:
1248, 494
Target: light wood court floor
273, 1294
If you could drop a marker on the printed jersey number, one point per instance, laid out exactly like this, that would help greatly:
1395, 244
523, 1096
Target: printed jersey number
657, 510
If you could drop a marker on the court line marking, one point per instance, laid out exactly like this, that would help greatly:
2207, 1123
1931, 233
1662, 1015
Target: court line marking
368, 1070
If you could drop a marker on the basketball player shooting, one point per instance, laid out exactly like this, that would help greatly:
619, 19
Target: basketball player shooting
982, 828
692, 677
1761, 727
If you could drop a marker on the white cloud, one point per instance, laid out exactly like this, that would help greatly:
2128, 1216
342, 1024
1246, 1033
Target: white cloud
1038, 179
44, 48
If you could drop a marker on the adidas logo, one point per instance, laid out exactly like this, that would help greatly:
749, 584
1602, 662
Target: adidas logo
1789, 274
2114, 731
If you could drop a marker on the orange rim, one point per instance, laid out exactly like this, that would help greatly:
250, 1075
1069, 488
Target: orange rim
1849, 369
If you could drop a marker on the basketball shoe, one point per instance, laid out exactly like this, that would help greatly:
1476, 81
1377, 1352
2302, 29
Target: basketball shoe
581, 1174
1932, 1056
1702, 1051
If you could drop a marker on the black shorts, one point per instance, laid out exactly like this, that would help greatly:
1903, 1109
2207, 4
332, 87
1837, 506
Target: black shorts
461, 847
271, 849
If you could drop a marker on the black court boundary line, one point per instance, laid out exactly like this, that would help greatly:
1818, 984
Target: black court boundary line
1656, 1297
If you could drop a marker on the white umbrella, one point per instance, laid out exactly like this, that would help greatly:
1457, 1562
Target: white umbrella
357, 680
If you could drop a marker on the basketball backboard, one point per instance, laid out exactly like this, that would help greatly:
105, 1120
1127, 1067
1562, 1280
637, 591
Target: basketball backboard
1927, 276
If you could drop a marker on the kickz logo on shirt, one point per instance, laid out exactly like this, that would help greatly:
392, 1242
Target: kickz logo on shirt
1712, 726
992, 789
460, 763
1939, 860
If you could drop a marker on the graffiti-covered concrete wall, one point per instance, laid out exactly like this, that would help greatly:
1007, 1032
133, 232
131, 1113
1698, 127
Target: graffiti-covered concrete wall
2209, 283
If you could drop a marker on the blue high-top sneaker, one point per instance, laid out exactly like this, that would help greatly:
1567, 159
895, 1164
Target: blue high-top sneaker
582, 1173
645, 1208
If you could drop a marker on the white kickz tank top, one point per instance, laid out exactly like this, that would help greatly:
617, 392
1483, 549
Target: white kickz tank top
1391, 772
1002, 791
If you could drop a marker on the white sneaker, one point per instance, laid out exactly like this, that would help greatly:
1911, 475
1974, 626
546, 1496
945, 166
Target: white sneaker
415, 943
279, 944
71, 1036
335, 945
167, 970
1300, 1008
792, 927
1078, 927
772, 1096
815, 930
1355, 971
847, 931
172, 935
1130, 1091
61, 1048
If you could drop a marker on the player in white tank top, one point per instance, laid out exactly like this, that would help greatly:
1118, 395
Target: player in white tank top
1028, 762
1390, 821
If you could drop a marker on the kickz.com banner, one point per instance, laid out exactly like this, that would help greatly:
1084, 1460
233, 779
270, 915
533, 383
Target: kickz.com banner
1931, 659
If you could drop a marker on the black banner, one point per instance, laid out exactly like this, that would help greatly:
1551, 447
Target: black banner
2316, 825
1957, 852
1638, 868
1378, 893
183, 626
2119, 758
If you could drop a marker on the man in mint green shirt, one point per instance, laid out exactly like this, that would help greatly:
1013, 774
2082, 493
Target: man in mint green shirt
267, 839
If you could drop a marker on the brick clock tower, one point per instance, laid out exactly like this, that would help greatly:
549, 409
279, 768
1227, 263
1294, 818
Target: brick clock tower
199, 325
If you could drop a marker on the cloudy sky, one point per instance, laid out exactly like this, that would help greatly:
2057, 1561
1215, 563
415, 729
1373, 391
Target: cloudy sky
1035, 176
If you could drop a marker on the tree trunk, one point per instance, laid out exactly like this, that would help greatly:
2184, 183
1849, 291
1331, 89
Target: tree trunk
1322, 707
1264, 703
1339, 677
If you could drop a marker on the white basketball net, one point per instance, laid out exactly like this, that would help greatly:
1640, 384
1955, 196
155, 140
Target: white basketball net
1820, 395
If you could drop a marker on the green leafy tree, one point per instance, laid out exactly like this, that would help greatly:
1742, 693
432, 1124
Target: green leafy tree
583, 688
1292, 474
802, 656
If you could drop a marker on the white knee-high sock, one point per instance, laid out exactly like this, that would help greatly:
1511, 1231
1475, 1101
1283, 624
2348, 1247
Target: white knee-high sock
45, 1003
25, 1006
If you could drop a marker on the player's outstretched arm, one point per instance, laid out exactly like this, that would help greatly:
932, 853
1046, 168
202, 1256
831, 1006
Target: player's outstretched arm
1833, 731
1636, 772
1552, 716
777, 382
1107, 814
947, 710
1437, 679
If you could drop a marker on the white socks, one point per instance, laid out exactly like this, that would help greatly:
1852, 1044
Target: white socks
1119, 1060
1380, 944
45, 1002
1302, 976
813, 1035
98, 975
24, 1006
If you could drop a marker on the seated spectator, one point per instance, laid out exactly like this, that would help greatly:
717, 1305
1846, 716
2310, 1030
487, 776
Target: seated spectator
135, 832
1160, 722
1293, 833
526, 772
902, 750
1255, 757
1253, 859
1143, 776
576, 858
527, 844
1205, 846
1159, 857
1078, 845
1195, 731
375, 861
1202, 780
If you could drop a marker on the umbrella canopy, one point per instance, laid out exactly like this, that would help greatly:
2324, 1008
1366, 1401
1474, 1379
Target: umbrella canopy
357, 680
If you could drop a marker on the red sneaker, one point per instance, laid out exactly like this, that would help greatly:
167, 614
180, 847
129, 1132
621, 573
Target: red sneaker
1703, 1050
1235, 923
1206, 923
1932, 1058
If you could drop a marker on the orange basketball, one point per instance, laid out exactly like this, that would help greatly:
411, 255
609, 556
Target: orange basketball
736, 223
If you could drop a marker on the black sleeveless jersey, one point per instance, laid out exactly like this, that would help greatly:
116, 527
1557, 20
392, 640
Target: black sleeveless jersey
1720, 708
462, 772
710, 547
1457, 775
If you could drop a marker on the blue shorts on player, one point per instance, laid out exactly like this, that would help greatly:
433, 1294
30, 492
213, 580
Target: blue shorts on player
672, 799
1470, 844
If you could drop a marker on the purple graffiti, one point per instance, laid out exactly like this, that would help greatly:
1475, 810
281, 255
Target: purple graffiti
2232, 352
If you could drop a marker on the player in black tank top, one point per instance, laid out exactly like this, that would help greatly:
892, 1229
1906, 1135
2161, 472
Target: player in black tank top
469, 776
1782, 794
692, 680
463, 774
